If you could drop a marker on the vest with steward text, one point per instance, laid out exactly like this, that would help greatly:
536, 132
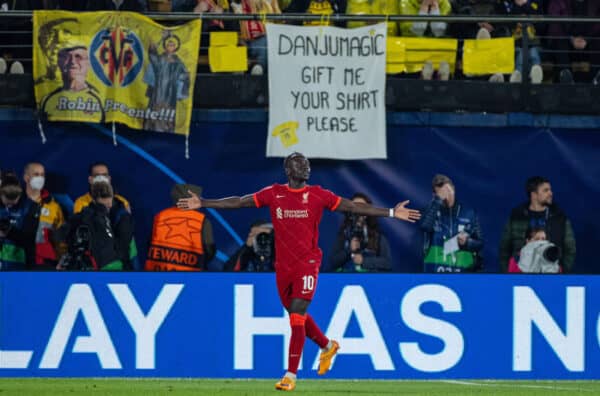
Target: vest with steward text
176, 243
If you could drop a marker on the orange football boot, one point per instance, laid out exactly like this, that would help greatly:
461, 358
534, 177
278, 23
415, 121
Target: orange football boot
327, 356
286, 384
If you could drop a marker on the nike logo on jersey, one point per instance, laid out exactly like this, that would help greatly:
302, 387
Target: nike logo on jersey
305, 291
279, 196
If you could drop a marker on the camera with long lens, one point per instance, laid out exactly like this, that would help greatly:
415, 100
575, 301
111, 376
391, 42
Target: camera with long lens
540, 257
355, 229
264, 245
5, 225
78, 257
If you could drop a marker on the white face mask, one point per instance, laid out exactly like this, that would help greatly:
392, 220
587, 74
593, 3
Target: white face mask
100, 179
37, 182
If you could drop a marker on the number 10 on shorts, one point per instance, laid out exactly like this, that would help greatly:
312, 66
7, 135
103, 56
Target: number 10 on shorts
308, 282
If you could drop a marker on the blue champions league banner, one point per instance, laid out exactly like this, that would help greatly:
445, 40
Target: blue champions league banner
232, 325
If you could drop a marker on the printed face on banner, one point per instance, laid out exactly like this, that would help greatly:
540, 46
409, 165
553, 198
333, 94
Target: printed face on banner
107, 66
327, 91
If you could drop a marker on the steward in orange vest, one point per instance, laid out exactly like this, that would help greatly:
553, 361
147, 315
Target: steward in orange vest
182, 240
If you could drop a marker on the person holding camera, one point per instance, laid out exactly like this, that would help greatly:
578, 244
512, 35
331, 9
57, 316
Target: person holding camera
539, 211
360, 246
18, 224
537, 256
100, 237
257, 254
452, 238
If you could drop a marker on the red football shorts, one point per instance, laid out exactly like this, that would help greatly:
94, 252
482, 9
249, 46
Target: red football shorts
301, 284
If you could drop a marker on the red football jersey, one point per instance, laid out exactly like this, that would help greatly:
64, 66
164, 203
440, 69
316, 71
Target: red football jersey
296, 214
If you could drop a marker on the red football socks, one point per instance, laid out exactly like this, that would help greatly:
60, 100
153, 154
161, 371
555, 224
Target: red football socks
314, 333
297, 322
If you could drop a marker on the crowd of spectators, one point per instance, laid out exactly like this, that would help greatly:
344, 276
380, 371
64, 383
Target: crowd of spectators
39, 231
560, 52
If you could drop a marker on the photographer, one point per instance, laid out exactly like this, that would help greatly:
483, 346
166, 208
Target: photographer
360, 246
257, 254
539, 211
537, 256
18, 223
97, 239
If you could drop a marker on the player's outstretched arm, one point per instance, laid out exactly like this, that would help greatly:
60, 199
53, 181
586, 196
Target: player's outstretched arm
195, 202
400, 212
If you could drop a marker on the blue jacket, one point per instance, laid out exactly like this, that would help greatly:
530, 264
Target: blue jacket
440, 223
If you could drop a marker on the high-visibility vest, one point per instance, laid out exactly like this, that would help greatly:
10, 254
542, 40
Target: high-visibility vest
176, 243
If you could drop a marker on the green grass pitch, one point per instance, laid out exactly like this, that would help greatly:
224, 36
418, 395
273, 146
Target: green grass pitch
325, 387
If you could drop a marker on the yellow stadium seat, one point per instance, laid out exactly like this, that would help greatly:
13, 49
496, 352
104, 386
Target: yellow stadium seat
489, 56
228, 59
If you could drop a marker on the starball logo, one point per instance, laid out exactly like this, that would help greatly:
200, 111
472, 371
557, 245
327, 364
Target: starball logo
117, 56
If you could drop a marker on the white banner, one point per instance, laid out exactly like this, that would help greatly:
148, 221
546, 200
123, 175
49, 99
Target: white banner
327, 91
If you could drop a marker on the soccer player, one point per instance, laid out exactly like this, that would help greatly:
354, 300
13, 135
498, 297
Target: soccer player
296, 209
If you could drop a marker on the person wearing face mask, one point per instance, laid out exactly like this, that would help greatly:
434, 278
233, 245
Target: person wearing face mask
18, 222
98, 172
48, 248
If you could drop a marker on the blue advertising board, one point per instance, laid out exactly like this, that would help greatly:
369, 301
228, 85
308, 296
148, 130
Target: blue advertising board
390, 326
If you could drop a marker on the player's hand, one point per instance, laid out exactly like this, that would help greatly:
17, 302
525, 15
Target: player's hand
403, 213
189, 203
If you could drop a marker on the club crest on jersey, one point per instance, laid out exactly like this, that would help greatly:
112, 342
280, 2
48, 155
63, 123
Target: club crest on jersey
279, 213
305, 198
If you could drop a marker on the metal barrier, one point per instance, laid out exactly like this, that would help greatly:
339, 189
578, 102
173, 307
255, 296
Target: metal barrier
478, 95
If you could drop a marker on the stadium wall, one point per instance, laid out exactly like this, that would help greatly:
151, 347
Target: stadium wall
390, 326
488, 156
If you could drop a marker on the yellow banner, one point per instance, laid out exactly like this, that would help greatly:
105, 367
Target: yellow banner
489, 56
408, 54
115, 66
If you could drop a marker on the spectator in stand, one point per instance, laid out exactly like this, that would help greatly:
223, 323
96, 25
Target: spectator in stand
539, 211
577, 42
479, 31
360, 246
117, 5
521, 8
426, 29
258, 253
377, 7
48, 248
469, 30
183, 5
325, 8
253, 33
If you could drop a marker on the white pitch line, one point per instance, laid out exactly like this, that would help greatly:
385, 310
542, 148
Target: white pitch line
517, 385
